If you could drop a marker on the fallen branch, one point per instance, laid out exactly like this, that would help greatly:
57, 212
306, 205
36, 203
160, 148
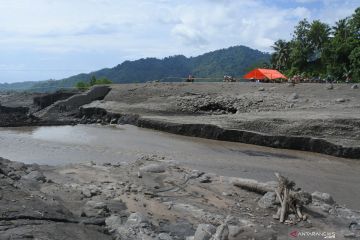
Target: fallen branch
291, 200
252, 185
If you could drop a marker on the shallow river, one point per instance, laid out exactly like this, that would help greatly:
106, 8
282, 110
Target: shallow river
72, 144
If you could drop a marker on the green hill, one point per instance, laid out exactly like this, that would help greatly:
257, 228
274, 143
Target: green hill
233, 61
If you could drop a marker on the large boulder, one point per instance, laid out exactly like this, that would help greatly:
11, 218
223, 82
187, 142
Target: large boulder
137, 219
113, 222
322, 197
95, 209
204, 232
222, 232
268, 200
36, 176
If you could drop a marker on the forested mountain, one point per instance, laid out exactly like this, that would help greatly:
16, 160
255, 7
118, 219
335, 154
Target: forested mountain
233, 61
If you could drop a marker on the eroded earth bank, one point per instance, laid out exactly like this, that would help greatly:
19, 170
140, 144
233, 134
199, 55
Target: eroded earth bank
310, 117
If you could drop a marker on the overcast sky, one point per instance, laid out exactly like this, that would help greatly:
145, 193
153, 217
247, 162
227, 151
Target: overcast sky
43, 39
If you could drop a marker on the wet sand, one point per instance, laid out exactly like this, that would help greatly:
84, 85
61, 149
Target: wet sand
73, 144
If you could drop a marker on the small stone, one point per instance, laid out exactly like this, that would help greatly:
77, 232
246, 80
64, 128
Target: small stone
340, 100
355, 86
293, 97
153, 168
225, 194
348, 234
205, 179
261, 89
354, 225
164, 236
330, 87
137, 219
116, 164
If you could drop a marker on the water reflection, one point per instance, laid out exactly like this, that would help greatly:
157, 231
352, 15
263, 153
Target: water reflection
63, 134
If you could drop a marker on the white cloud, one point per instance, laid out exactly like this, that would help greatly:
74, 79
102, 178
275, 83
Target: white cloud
301, 12
133, 29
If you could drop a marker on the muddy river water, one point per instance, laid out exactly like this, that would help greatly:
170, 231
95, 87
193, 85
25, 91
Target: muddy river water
73, 144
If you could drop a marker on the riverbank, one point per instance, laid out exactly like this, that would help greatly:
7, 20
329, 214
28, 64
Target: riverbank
151, 198
307, 117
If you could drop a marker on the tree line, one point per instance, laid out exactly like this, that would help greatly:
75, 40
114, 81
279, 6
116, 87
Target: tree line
318, 50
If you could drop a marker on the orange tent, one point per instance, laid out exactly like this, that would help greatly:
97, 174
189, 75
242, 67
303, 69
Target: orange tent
261, 74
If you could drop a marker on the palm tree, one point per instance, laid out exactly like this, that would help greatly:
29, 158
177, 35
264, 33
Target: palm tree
341, 28
281, 55
319, 34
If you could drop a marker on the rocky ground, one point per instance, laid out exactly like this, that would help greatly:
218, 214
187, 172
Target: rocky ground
152, 198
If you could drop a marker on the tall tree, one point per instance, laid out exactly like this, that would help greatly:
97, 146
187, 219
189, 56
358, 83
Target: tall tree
300, 46
281, 55
336, 53
318, 35
342, 29
355, 63
355, 24
354, 57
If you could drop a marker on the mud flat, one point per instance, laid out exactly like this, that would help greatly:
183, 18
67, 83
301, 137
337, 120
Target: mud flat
307, 117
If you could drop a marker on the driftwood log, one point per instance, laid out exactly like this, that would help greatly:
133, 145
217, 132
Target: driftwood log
291, 200
252, 185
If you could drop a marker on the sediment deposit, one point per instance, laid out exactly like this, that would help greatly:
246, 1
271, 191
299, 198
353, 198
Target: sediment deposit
154, 197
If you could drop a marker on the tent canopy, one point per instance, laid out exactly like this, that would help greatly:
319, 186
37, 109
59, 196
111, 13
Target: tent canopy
260, 74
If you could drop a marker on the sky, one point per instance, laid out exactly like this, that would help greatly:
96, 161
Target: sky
53, 39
